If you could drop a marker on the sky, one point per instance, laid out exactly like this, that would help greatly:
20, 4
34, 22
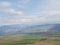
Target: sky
29, 12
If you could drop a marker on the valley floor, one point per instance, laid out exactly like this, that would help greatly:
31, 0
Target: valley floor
35, 39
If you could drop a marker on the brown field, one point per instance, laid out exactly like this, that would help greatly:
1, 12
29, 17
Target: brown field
46, 43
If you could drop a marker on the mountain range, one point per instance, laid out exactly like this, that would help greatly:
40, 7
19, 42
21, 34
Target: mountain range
21, 29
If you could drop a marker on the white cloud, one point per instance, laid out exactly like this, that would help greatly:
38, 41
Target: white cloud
54, 4
50, 11
5, 4
25, 19
11, 11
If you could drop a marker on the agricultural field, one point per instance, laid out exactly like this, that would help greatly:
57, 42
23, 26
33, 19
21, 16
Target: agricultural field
28, 39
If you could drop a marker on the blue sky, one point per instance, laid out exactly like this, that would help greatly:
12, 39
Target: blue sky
29, 11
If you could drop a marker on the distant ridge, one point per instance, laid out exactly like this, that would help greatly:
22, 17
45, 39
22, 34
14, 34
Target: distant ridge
21, 29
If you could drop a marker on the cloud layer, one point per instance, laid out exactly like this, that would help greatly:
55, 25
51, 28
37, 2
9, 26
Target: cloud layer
29, 11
